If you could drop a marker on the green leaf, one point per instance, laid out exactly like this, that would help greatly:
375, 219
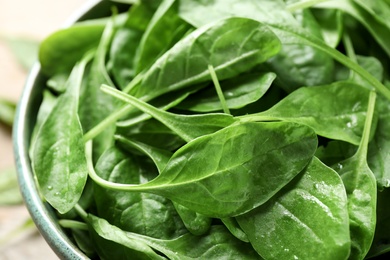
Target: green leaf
336, 111
379, 147
126, 41
217, 244
331, 23
381, 242
187, 127
360, 184
295, 64
136, 212
75, 41
163, 28
231, 46
196, 223
58, 157
153, 133
111, 243
307, 219
47, 105
377, 28
256, 158
96, 106
238, 91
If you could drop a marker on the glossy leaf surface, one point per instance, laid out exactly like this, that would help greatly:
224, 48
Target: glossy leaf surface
307, 219
257, 158
343, 120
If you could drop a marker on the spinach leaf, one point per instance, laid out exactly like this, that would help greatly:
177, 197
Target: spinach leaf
160, 157
126, 41
136, 212
381, 242
377, 29
335, 151
164, 102
295, 64
196, 223
239, 92
342, 120
112, 244
217, 244
360, 184
75, 41
257, 158
163, 28
247, 42
378, 153
58, 157
153, 133
234, 228
96, 105
47, 105
312, 208
7, 112
187, 127
302, 65
331, 23
231, 46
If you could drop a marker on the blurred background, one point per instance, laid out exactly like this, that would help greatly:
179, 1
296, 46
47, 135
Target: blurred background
23, 24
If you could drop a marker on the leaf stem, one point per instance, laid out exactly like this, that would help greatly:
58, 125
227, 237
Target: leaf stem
81, 212
363, 147
100, 181
303, 5
111, 119
318, 44
349, 50
219, 90
73, 224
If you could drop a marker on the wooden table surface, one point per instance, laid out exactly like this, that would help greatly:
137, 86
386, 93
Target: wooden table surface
34, 19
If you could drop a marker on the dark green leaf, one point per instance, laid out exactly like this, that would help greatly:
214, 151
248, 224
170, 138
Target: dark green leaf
335, 111
231, 46
256, 158
187, 127
95, 105
239, 92
360, 184
136, 212
217, 244
196, 223
381, 242
163, 28
295, 64
306, 220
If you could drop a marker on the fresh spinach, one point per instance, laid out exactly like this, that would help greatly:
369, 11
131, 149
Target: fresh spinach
314, 207
220, 129
58, 156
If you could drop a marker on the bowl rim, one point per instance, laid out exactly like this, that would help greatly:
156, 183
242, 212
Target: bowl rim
41, 213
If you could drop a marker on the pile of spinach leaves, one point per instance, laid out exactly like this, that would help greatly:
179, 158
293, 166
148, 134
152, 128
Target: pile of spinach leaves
224, 129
